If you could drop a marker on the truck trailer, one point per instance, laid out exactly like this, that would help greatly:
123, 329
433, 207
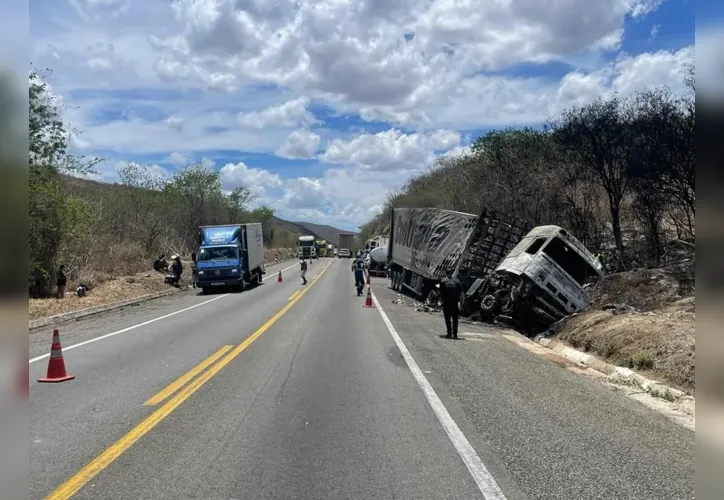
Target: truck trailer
346, 242
230, 256
530, 276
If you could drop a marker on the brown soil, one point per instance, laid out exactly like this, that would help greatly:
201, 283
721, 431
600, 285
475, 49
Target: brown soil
657, 337
106, 289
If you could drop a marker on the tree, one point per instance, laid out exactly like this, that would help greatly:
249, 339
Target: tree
597, 138
142, 205
195, 194
237, 203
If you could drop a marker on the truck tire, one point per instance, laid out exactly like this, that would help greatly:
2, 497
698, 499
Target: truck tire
397, 281
489, 304
242, 285
255, 280
204, 291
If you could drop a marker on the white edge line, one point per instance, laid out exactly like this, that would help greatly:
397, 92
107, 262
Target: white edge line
485, 481
133, 327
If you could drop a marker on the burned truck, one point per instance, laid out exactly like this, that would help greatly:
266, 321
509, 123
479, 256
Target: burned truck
530, 277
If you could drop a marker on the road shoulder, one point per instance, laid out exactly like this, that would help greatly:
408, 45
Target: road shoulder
543, 420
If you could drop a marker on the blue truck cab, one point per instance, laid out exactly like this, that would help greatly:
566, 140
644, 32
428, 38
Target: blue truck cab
230, 256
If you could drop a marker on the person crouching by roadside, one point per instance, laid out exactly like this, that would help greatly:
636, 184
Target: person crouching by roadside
62, 281
160, 265
176, 269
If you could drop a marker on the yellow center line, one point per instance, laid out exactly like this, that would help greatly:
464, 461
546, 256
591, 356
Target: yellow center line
183, 380
82, 477
294, 295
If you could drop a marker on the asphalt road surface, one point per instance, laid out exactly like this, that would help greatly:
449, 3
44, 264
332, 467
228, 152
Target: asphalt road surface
292, 392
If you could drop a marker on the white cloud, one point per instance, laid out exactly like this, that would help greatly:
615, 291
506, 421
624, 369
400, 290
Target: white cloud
200, 76
390, 150
178, 159
288, 114
234, 175
300, 144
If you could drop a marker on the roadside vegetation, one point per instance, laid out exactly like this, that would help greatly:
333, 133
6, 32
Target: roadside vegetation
618, 174
103, 232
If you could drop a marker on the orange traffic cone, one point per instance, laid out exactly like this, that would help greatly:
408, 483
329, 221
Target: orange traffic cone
279, 278
368, 300
56, 365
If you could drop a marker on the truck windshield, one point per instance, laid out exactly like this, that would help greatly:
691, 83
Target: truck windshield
218, 253
571, 261
306, 243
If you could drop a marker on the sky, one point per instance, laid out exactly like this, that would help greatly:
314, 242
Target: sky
323, 107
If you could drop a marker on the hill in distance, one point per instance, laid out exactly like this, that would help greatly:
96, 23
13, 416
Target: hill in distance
80, 186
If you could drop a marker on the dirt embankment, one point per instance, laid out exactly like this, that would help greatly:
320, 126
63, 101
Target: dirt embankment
642, 319
104, 288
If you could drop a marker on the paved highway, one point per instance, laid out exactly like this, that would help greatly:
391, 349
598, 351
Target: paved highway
291, 392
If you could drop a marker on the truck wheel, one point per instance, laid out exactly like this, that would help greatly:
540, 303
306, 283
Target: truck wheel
204, 291
242, 285
255, 280
489, 304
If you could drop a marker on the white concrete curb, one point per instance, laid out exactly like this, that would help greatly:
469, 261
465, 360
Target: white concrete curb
650, 386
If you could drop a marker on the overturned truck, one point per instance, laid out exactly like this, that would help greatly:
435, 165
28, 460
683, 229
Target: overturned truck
528, 277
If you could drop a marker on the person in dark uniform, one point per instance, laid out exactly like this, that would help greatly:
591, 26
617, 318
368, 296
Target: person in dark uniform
303, 274
452, 294
358, 266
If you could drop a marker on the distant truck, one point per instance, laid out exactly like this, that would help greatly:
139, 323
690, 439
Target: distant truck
307, 248
346, 242
376, 242
532, 277
376, 262
230, 256
321, 248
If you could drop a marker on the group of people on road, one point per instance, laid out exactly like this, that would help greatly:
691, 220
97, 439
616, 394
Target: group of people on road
452, 293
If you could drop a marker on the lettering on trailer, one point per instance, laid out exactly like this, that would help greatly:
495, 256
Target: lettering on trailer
220, 236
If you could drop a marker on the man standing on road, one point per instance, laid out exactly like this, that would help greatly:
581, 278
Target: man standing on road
304, 271
358, 266
452, 294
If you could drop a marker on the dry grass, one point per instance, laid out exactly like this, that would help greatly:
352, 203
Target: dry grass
107, 292
657, 339
104, 288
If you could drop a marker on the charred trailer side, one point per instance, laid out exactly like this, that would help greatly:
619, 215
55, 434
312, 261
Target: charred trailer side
424, 245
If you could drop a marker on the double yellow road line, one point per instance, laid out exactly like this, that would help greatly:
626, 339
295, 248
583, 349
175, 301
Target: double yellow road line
183, 388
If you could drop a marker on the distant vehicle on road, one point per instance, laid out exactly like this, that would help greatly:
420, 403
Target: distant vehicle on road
344, 253
346, 242
307, 247
231, 255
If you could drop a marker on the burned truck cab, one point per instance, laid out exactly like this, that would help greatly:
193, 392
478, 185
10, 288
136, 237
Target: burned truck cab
543, 279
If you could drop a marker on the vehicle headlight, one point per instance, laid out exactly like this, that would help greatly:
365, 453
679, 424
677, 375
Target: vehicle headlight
234, 270
201, 272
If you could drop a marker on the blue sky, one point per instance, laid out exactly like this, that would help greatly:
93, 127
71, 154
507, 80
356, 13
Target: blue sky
322, 111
